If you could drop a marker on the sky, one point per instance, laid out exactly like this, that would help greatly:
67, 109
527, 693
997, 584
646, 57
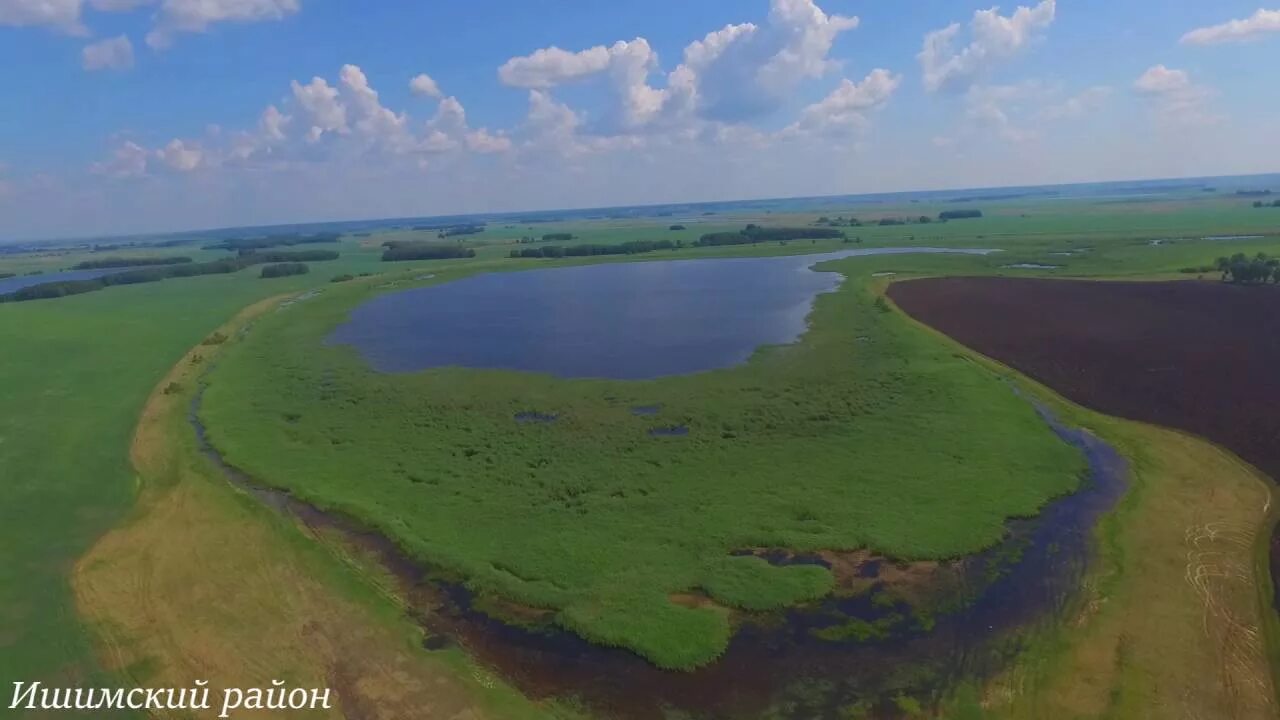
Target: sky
132, 116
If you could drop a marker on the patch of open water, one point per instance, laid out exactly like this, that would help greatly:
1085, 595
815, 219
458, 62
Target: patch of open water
622, 321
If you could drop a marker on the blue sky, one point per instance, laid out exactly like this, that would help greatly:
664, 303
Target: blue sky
150, 115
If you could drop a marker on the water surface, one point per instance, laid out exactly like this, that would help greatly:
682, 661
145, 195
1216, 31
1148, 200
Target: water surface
623, 321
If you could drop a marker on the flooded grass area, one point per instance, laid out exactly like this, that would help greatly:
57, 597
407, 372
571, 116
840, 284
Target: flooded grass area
892, 629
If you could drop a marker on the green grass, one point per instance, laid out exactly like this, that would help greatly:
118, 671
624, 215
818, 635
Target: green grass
76, 372
810, 446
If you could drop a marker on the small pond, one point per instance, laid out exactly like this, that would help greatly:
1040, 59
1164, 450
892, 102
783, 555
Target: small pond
623, 321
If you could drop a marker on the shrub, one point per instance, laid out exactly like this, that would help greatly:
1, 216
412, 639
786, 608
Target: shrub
345, 277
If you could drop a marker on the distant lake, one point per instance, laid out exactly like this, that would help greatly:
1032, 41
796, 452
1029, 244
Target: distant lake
14, 284
625, 321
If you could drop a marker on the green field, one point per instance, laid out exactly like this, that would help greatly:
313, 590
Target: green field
614, 521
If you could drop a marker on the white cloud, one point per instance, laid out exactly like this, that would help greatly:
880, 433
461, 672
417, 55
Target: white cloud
1175, 97
743, 71
272, 123
552, 66
627, 63
425, 86
111, 54
730, 75
847, 106
450, 118
996, 39
180, 156
482, 141
1254, 27
993, 107
1162, 81
380, 125
194, 16
61, 15
128, 160
323, 109
1084, 103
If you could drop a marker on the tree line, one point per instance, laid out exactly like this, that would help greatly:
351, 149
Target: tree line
633, 247
1245, 270
959, 215
752, 234
280, 270
399, 251
252, 244
124, 262
63, 288
1272, 204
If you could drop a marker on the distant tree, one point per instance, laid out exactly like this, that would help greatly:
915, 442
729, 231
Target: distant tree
1257, 203
1243, 270
280, 270
925, 220
959, 214
677, 227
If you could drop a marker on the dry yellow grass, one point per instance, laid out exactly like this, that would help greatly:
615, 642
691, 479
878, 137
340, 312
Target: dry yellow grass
1176, 633
204, 583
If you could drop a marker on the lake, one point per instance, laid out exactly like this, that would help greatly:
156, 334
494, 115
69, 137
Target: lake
625, 321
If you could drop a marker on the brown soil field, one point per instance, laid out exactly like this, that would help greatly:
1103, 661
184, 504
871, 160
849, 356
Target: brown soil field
1201, 357
1196, 356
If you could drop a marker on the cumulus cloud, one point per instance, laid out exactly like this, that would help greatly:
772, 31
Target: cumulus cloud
1175, 97
181, 156
111, 54
628, 65
195, 16
272, 123
319, 101
995, 39
423, 85
743, 71
128, 160
847, 106
1254, 27
378, 124
732, 74
552, 66
61, 15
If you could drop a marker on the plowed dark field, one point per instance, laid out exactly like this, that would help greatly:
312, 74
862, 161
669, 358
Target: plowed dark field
1197, 356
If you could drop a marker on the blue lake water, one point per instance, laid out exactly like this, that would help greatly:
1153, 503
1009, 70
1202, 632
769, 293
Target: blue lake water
14, 284
626, 321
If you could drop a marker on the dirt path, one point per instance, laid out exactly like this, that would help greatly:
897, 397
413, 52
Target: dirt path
204, 583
